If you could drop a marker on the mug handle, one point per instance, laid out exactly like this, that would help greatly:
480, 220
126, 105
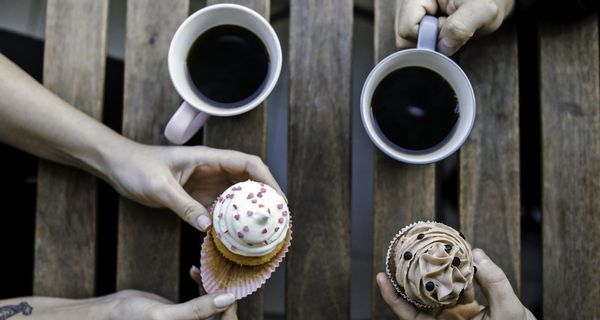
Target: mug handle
428, 29
186, 121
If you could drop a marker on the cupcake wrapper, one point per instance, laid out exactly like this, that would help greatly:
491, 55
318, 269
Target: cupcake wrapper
220, 274
392, 277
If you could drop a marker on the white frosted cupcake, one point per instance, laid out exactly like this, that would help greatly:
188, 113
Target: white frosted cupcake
250, 236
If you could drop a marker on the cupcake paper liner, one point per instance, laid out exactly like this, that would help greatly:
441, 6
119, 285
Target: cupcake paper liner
220, 274
392, 277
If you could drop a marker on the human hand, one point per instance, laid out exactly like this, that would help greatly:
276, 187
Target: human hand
502, 301
462, 20
183, 179
133, 305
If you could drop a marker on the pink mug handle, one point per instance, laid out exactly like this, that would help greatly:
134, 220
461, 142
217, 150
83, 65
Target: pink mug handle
186, 121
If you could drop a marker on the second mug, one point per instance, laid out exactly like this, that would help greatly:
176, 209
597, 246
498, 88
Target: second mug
224, 60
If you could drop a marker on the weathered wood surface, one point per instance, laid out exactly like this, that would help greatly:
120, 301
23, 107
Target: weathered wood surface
318, 266
65, 243
489, 191
246, 133
402, 194
570, 102
149, 239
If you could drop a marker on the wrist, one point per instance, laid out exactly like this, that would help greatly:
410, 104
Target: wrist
110, 155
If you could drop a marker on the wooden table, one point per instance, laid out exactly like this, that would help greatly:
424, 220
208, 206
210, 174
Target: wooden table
318, 267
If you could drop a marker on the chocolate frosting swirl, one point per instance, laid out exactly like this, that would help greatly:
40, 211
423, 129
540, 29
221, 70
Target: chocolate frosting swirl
433, 264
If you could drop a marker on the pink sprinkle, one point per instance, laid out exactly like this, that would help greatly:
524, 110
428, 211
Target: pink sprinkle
264, 231
280, 206
263, 190
219, 235
269, 210
250, 244
276, 229
237, 217
250, 213
246, 229
280, 220
266, 242
284, 213
220, 216
235, 207
240, 235
254, 200
236, 188
259, 195
260, 205
250, 196
262, 184
233, 247
229, 196
226, 231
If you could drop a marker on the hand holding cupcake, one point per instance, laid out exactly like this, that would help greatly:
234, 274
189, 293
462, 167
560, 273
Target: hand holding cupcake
430, 264
249, 238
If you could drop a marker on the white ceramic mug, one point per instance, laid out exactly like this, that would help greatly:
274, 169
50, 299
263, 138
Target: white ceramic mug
194, 110
423, 56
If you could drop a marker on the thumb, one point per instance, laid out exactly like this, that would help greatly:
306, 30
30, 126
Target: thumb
186, 207
493, 281
461, 25
199, 308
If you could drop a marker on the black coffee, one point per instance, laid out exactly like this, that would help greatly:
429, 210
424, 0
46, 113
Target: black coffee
415, 108
228, 64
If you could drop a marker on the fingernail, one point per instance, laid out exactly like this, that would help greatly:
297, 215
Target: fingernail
446, 47
203, 222
195, 269
479, 256
224, 300
379, 279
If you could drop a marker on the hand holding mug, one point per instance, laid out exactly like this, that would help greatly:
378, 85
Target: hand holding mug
417, 105
465, 18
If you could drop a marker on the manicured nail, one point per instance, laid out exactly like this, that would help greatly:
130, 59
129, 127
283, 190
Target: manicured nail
479, 256
203, 222
195, 269
224, 300
446, 47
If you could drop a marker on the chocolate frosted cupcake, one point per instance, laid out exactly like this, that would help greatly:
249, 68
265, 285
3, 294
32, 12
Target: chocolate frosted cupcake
250, 235
430, 264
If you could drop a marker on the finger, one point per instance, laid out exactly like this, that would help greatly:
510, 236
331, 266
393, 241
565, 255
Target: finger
187, 208
244, 165
195, 275
401, 308
408, 16
230, 313
199, 308
493, 281
464, 22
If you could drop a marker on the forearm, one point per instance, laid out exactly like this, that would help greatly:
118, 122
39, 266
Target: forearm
34, 308
37, 121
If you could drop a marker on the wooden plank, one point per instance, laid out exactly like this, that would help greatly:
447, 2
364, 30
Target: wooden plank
402, 194
318, 266
65, 243
489, 192
149, 239
246, 133
570, 98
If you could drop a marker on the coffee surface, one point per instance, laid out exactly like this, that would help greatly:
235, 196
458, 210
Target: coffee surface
228, 65
415, 108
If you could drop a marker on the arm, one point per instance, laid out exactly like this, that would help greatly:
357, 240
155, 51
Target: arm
37, 121
53, 308
183, 179
129, 304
